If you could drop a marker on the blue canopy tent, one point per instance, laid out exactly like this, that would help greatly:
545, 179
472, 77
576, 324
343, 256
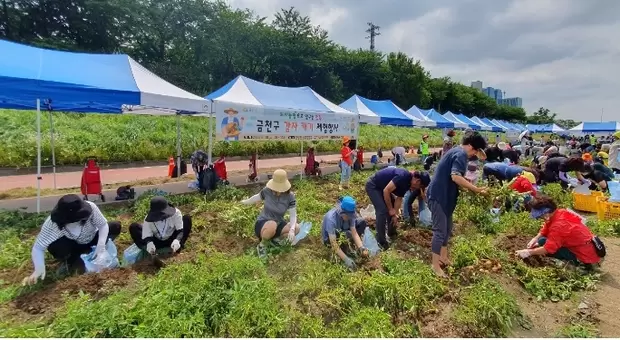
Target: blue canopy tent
81, 82
484, 126
439, 119
463, 118
520, 126
417, 114
455, 120
355, 104
488, 122
388, 112
595, 128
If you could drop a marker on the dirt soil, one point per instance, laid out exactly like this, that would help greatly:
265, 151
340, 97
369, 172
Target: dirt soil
607, 294
512, 243
98, 285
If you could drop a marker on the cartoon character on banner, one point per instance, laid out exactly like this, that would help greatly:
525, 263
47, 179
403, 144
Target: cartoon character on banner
231, 125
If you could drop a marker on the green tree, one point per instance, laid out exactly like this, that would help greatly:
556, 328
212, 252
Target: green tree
542, 116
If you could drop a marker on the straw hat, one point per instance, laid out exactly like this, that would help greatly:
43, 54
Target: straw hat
345, 140
501, 145
279, 181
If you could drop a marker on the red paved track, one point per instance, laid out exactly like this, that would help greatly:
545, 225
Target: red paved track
112, 176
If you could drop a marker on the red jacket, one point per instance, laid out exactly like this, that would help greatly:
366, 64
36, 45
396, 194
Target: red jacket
565, 229
345, 152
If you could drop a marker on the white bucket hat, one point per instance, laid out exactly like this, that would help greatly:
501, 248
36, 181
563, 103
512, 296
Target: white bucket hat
279, 181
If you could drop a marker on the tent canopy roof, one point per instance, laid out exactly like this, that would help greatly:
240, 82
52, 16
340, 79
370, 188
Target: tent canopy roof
438, 118
389, 113
469, 122
459, 124
421, 119
586, 127
83, 82
355, 104
243, 90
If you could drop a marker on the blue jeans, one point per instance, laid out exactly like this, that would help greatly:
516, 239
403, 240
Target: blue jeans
345, 172
562, 254
407, 207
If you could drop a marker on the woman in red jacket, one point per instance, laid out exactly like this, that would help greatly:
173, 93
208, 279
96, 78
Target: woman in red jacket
563, 235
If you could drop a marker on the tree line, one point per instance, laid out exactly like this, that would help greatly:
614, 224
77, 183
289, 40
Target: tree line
200, 45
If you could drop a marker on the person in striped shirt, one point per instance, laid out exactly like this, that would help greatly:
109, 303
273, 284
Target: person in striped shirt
164, 227
72, 229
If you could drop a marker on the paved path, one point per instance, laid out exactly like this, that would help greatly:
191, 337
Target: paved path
112, 176
48, 202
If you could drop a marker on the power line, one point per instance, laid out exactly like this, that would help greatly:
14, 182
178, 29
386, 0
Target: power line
373, 31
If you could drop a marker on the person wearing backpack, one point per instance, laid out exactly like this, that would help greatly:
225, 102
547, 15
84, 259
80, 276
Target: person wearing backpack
563, 236
344, 219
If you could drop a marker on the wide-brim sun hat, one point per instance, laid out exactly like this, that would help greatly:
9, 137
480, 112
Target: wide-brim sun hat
617, 135
160, 209
529, 176
481, 155
70, 208
279, 181
345, 140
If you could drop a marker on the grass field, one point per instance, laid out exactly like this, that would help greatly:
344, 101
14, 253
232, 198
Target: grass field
218, 286
132, 138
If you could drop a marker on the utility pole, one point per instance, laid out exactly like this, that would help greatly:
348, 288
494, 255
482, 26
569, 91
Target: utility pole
373, 31
602, 111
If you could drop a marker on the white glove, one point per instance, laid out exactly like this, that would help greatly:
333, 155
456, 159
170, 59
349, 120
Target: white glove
532, 243
291, 234
524, 253
175, 245
98, 251
33, 278
150, 247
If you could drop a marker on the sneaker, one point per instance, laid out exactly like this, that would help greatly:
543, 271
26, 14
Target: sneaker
261, 250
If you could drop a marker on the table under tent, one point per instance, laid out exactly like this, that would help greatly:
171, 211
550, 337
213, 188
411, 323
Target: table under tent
248, 110
596, 128
32, 77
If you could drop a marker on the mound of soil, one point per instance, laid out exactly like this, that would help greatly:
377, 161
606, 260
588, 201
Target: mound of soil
372, 264
418, 237
484, 267
512, 243
97, 285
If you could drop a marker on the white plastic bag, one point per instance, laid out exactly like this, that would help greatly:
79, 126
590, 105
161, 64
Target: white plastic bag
495, 212
614, 190
368, 213
370, 242
132, 255
583, 189
304, 230
426, 218
107, 260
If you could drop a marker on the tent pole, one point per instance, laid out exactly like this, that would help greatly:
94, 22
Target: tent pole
178, 145
52, 145
38, 156
211, 118
301, 156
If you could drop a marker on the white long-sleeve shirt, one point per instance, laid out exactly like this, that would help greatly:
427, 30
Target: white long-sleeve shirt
162, 230
80, 233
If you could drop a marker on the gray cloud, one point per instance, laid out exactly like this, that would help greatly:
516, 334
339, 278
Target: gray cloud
560, 54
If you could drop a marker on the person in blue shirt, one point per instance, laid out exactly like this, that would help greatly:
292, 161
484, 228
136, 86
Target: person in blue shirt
408, 200
384, 184
501, 171
344, 219
443, 193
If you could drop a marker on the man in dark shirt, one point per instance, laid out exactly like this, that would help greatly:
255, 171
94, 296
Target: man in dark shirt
380, 188
443, 194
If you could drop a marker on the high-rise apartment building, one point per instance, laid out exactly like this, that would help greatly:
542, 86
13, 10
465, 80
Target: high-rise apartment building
512, 102
477, 85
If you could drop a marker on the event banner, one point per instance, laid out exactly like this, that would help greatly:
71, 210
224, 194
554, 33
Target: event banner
237, 122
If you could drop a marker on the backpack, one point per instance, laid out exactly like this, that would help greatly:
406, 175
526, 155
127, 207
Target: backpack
125, 193
207, 180
599, 246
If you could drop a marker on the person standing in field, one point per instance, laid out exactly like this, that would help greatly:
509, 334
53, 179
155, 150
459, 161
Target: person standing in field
443, 193
448, 141
424, 150
346, 163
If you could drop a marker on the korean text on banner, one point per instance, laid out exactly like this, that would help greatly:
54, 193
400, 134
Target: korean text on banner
237, 122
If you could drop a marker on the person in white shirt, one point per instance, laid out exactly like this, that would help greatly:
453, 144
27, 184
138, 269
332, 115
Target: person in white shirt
73, 228
164, 227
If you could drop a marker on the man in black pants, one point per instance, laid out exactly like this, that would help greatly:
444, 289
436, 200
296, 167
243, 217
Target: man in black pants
380, 188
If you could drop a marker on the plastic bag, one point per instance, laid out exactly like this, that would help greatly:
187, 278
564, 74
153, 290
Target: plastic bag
426, 218
370, 242
368, 213
304, 230
193, 185
107, 260
583, 189
614, 191
132, 255
495, 212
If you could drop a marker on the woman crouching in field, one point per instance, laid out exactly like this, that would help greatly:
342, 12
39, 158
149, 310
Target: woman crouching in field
277, 199
72, 229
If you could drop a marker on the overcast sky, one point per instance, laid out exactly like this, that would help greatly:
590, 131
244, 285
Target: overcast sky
560, 54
